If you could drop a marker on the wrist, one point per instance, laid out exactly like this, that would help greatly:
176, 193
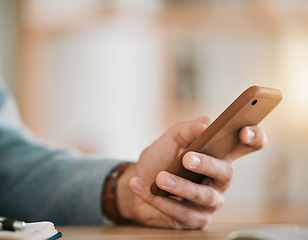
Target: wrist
125, 195
110, 196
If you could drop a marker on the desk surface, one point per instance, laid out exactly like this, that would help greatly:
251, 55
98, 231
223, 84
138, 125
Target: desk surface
219, 230
216, 231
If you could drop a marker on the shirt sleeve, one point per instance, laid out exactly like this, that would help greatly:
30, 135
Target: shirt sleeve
39, 183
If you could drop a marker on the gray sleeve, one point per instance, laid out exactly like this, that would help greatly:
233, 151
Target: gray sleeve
39, 183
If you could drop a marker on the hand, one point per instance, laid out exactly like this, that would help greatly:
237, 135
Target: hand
196, 203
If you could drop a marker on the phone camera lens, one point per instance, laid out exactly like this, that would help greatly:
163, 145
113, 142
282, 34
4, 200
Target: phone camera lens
254, 102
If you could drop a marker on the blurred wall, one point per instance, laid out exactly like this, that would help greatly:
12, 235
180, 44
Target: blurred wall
8, 41
111, 77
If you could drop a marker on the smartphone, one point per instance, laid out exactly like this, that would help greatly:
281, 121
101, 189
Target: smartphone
254, 104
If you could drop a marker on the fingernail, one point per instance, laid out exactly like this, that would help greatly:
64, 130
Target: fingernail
137, 185
250, 134
194, 162
169, 182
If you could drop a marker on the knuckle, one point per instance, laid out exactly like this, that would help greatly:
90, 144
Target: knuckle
195, 195
191, 222
187, 220
174, 130
212, 197
208, 163
184, 217
176, 211
205, 120
201, 221
204, 221
221, 202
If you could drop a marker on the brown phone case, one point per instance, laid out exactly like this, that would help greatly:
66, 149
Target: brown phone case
222, 135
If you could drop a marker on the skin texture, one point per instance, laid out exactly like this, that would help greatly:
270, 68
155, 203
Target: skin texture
196, 202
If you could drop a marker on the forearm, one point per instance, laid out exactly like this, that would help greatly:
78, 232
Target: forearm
38, 183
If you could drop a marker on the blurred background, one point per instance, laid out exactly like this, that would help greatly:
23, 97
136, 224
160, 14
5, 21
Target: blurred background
109, 77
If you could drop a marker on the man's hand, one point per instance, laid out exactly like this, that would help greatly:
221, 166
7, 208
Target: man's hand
196, 203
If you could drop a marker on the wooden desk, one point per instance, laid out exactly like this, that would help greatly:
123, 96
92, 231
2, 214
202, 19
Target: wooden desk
223, 224
215, 231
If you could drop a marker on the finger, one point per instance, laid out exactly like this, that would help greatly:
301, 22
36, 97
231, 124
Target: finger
185, 133
252, 138
201, 195
187, 216
220, 171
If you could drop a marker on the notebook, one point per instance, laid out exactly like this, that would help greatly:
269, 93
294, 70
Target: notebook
33, 231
